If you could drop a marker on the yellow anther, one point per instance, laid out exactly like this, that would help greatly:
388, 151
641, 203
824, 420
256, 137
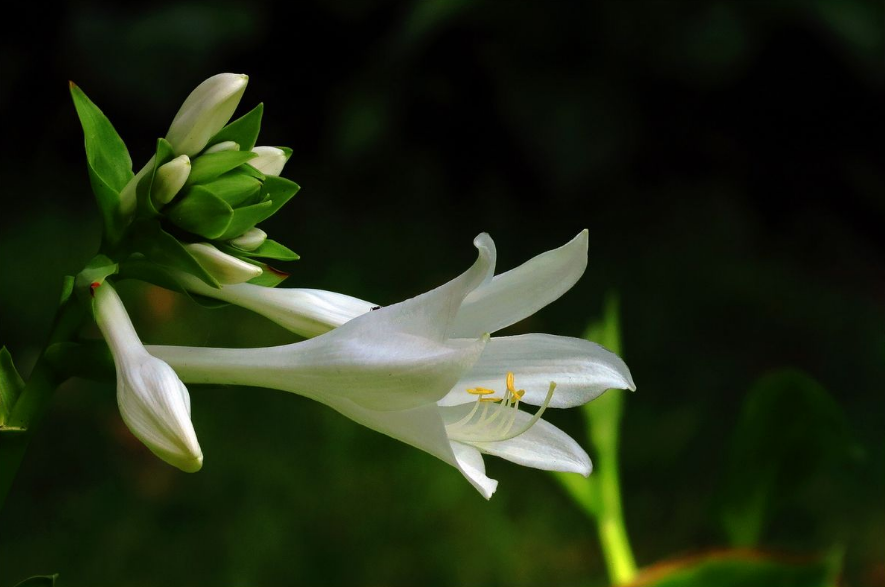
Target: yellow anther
490, 399
518, 394
480, 391
511, 387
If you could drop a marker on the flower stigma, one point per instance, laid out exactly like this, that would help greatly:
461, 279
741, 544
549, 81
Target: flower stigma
492, 419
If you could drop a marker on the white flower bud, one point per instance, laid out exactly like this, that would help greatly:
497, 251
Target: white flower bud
153, 401
249, 240
223, 267
205, 112
270, 160
169, 179
222, 146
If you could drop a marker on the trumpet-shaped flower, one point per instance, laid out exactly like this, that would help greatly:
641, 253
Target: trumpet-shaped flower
425, 371
153, 401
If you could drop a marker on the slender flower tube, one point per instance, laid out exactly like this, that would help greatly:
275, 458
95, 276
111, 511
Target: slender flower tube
223, 267
153, 401
270, 160
479, 410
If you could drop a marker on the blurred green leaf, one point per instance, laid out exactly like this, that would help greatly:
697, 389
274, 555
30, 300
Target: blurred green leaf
201, 212
600, 494
789, 425
243, 131
742, 569
39, 581
11, 384
205, 168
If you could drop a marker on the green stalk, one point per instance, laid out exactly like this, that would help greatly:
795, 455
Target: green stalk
31, 405
599, 496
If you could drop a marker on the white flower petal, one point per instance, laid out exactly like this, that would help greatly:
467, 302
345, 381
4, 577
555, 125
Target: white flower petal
582, 370
520, 292
153, 401
474, 469
543, 446
311, 312
205, 112
270, 160
155, 405
223, 267
422, 428
306, 312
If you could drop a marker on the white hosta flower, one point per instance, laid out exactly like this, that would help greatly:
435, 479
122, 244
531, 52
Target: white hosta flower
270, 160
153, 401
249, 240
378, 349
169, 179
223, 267
205, 112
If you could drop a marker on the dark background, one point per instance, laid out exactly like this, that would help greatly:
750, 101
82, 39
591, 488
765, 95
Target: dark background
725, 156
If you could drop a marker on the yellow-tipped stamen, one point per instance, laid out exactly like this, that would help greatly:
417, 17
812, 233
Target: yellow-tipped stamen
480, 391
487, 427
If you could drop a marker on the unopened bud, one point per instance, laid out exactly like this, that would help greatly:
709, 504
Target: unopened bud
249, 240
169, 179
205, 112
225, 268
223, 146
270, 160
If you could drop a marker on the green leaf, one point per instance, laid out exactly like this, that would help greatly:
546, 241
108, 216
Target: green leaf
205, 168
162, 248
108, 162
252, 172
39, 581
287, 151
243, 131
108, 201
11, 384
789, 427
278, 191
245, 218
269, 249
105, 150
201, 212
270, 277
237, 189
743, 568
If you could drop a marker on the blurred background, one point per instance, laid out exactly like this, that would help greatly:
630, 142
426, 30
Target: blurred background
725, 156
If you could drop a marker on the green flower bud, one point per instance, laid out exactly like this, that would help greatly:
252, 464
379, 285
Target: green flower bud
205, 112
249, 240
169, 180
223, 267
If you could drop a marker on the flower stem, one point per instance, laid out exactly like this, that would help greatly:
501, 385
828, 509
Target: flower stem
30, 407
